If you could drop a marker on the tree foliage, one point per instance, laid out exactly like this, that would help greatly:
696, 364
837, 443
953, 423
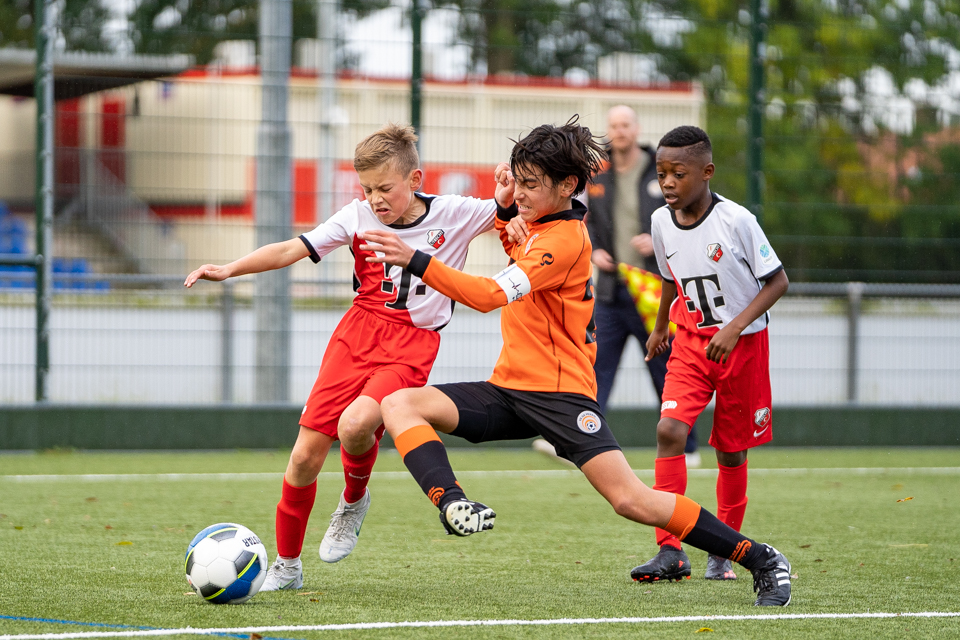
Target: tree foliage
197, 26
81, 24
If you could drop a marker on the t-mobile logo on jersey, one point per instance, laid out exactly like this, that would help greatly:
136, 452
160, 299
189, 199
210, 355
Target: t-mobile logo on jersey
708, 305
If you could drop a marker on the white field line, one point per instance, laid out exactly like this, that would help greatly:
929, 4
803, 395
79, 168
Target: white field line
360, 626
541, 473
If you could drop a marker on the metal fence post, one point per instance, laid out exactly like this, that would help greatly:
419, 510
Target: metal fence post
272, 205
854, 299
46, 16
226, 343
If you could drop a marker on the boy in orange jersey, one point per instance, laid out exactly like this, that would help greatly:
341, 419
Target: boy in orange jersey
543, 383
386, 341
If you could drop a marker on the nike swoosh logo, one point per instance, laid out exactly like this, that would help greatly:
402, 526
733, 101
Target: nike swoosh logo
673, 254
287, 584
757, 434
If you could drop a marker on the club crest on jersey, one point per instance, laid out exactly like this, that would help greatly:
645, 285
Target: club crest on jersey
588, 422
435, 238
761, 417
526, 249
714, 251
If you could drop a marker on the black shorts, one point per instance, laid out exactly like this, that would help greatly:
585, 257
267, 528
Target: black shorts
571, 422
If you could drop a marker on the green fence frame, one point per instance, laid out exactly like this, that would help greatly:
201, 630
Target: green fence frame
41, 427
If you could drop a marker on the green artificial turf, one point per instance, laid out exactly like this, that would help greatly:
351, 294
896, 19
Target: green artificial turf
110, 551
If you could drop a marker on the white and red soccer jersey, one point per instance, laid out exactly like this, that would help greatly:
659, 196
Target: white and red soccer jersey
717, 263
392, 293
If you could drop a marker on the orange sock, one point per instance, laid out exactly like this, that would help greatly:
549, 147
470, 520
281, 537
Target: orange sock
732, 495
684, 518
671, 476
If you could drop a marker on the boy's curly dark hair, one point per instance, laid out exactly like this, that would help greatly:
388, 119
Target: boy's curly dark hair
558, 152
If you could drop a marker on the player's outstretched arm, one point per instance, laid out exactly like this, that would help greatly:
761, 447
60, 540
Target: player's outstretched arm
477, 292
266, 258
723, 341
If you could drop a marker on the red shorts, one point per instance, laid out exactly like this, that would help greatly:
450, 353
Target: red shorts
742, 417
367, 356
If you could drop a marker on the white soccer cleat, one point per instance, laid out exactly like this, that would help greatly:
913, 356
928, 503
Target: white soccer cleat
285, 573
344, 529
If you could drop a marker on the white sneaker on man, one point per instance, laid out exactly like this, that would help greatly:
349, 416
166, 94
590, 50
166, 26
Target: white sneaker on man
284, 573
344, 529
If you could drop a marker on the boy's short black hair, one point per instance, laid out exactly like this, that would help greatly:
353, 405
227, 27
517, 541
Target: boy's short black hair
558, 152
688, 136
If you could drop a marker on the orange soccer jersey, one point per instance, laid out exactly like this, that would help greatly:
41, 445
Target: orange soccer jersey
549, 340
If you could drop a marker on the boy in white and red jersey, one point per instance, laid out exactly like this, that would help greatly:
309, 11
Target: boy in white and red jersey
720, 277
386, 341
544, 382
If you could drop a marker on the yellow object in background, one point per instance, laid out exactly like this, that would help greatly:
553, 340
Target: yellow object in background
644, 288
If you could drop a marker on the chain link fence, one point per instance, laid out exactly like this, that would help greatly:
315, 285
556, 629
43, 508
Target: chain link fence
860, 141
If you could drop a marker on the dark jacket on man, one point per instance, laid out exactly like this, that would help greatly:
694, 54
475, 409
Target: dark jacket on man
600, 219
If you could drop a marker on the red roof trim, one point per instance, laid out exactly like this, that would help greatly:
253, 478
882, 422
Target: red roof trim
496, 81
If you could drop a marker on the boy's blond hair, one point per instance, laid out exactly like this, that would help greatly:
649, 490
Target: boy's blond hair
391, 144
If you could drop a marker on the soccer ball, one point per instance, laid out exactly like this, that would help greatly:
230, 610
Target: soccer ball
226, 564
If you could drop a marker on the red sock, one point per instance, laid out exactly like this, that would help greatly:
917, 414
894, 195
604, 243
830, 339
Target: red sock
671, 475
356, 471
293, 511
732, 495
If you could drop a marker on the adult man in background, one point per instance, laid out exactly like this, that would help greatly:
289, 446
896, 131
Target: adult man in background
622, 199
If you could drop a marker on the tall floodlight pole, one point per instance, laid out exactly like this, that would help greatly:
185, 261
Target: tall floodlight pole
416, 72
756, 101
46, 17
327, 99
272, 288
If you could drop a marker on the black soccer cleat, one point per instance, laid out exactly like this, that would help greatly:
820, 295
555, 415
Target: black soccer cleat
464, 517
719, 568
670, 563
772, 581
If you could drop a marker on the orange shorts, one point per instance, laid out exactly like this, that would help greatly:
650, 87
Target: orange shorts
367, 356
742, 417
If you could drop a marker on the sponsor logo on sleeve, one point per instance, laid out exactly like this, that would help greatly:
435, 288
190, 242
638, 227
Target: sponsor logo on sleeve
715, 251
526, 249
766, 253
546, 260
669, 404
761, 418
588, 422
435, 238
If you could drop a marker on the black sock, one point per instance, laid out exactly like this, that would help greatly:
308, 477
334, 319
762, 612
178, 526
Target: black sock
430, 467
715, 537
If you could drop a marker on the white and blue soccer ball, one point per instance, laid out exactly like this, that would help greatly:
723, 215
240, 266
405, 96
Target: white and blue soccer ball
226, 564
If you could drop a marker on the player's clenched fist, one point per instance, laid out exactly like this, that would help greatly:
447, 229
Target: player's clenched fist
212, 272
505, 185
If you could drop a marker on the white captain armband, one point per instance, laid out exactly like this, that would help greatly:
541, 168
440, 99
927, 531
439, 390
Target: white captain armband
514, 283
